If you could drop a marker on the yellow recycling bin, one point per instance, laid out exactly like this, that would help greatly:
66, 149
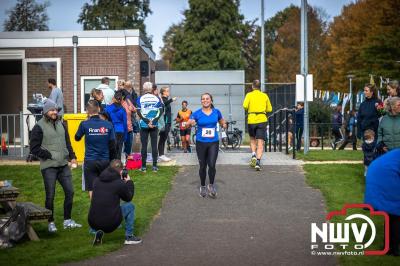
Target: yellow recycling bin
73, 122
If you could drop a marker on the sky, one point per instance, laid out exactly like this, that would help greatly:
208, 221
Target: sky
63, 14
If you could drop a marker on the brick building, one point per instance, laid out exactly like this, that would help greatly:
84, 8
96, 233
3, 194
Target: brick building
76, 59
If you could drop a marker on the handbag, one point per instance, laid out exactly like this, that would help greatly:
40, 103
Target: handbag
161, 124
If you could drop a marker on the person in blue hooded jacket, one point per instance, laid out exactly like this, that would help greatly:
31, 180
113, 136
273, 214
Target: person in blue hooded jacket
117, 116
382, 188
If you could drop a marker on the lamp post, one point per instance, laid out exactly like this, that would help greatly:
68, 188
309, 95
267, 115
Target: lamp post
262, 67
351, 77
304, 70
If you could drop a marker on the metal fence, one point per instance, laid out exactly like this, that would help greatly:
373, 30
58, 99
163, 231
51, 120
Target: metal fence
280, 128
15, 129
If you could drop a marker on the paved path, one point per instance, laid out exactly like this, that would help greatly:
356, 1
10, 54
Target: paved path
259, 218
229, 158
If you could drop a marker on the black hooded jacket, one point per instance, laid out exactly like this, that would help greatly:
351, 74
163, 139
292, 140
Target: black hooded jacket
108, 189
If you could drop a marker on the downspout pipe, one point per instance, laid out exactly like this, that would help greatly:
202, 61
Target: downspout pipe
75, 66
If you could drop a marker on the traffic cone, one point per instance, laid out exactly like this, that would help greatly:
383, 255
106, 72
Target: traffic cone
4, 146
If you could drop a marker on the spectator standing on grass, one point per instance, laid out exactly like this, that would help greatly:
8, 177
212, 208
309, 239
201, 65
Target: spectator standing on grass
299, 124
368, 116
97, 95
56, 95
130, 110
117, 115
382, 188
99, 144
350, 131
51, 144
389, 127
107, 91
337, 120
393, 88
111, 202
149, 109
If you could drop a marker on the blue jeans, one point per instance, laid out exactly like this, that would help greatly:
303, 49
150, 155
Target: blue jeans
128, 143
128, 212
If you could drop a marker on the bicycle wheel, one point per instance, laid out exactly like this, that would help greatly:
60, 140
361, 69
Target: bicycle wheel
236, 141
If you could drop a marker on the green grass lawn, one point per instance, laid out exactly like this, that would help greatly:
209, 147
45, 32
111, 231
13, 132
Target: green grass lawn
341, 184
76, 244
330, 155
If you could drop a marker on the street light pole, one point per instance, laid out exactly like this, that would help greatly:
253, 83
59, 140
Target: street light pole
262, 67
350, 77
304, 71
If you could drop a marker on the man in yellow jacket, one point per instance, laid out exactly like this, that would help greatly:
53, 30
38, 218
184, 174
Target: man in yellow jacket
257, 105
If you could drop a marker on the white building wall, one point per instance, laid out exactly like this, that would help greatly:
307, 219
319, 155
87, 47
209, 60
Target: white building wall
226, 87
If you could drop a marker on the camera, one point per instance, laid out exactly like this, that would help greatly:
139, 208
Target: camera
124, 173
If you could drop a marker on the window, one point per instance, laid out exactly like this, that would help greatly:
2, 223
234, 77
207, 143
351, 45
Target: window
90, 82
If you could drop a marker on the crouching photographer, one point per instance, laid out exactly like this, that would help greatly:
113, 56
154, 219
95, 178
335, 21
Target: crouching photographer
106, 213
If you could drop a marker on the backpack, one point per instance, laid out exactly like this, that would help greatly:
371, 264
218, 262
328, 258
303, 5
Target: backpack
14, 228
134, 161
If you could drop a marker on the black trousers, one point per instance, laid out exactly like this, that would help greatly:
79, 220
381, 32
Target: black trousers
299, 134
64, 177
394, 234
349, 139
163, 139
207, 153
338, 135
144, 139
119, 142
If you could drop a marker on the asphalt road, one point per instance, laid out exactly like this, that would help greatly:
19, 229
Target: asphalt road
259, 218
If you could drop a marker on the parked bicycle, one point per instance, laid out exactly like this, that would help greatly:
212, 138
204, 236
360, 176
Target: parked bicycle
231, 138
173, 139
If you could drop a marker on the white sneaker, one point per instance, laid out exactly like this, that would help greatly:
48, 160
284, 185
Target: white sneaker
71, 224
52, 227
164, 158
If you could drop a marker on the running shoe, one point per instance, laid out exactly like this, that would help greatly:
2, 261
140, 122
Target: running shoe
164, 158
132, 240
212, 192
155, 169
253, 161
143, 169
98, 238
71, 224
203, 191
257, 167
52, 227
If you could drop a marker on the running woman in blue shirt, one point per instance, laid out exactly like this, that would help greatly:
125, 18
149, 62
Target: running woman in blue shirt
207, 141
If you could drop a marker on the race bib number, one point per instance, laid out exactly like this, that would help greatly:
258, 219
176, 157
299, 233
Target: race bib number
208, 132
184, 124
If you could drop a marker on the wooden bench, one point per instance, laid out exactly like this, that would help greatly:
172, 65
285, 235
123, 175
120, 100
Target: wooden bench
35, 214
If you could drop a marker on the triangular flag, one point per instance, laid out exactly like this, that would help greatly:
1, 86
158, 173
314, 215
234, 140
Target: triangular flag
371, 80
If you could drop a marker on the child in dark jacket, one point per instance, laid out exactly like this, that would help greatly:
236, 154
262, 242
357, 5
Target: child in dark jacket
368, 148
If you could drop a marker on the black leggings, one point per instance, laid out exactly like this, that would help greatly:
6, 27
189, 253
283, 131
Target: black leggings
163, 139
144, 138
207, 153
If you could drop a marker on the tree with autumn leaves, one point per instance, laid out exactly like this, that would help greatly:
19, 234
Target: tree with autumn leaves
364, 39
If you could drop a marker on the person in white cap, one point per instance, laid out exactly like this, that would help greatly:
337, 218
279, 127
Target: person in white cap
51, 144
